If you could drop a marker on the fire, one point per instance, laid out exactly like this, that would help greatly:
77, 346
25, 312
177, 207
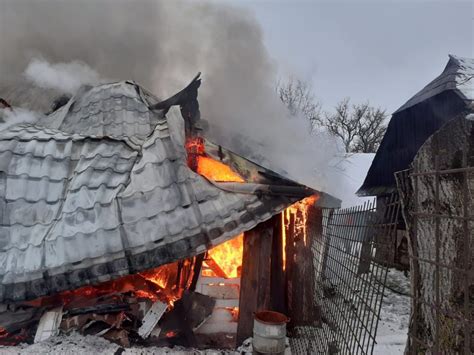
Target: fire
216, 171
162, 276
171, 334
228, 257
156, 284
234, 311
299, 211
208, 167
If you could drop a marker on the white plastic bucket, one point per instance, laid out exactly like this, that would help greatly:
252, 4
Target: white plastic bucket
269, 332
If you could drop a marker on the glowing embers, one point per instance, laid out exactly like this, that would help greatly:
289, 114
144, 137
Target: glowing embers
7, 339
156, 284
225, 260
206, 166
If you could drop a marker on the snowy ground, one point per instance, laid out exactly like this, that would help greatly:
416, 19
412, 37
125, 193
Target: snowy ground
77, 344
394, 316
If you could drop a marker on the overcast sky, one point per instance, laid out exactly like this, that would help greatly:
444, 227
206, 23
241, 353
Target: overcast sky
381, 51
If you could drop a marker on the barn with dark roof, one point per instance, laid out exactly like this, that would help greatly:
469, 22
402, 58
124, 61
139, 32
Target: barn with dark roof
447, 96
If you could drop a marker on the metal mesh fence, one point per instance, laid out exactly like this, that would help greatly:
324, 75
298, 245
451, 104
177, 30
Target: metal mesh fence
349, 278
437, 206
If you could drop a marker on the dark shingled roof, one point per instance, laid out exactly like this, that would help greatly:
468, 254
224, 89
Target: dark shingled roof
450, 94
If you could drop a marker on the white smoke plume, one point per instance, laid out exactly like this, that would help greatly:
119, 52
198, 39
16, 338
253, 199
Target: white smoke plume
162, 45
64, 77
9, 117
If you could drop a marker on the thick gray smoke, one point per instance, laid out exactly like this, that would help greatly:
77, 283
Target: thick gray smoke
162, 44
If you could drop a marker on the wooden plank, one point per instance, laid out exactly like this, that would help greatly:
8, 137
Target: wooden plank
152, 318
206, 280
49, 324
278, 272
289, 249
197, 267
221, 291
215, 267
303, 306
227, 303
255, 279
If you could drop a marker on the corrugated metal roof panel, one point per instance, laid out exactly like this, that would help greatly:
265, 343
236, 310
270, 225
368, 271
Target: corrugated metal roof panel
103, 189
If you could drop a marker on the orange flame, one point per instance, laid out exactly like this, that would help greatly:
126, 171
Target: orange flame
299, 211
228, 256
216, 171
155, 284
208, 167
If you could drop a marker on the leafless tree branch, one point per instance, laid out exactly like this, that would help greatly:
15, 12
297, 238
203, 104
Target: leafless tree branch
298, 97
361, 127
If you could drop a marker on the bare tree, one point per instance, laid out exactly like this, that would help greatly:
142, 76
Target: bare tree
371, 130
361, 127
299, 98
343, 124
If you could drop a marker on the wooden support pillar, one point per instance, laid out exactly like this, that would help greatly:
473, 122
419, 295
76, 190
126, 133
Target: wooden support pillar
304, 310
256, 277
278, 303
289, 250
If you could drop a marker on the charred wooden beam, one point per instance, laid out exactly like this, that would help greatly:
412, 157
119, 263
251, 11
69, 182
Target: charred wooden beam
188, 314
255, 280
304, 310
14, 320
196, 271
278, 267
215, 268
289, 261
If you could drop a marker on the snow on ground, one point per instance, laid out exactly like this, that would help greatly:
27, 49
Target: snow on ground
78, 344
394, 316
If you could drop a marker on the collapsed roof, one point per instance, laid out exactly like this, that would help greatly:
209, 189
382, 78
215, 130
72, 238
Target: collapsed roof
101, 188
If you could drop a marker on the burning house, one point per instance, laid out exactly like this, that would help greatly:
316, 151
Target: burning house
119, 218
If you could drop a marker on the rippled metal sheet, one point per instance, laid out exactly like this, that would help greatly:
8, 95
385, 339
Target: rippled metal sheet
101, 189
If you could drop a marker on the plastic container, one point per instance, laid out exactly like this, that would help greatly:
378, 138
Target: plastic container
269, 332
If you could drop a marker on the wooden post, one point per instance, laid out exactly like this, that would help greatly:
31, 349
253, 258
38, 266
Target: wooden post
289, 248
303, 304
278, 272
255, 280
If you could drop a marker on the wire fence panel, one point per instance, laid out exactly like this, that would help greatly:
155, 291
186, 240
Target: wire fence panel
437, 196
349, 279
